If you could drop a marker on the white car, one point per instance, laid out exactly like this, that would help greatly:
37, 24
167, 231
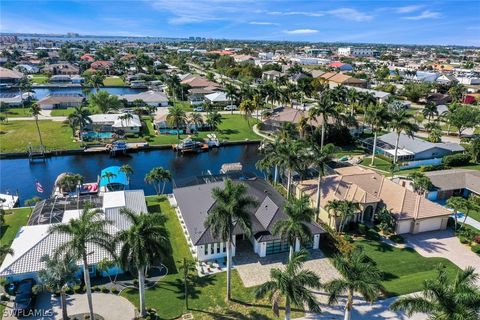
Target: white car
230, 107
197, 109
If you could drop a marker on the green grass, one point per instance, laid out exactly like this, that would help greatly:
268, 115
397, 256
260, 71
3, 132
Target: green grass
404, 270
17, 112
15, 136
207, 298
379, 163
39, 79
62, 112
113, 82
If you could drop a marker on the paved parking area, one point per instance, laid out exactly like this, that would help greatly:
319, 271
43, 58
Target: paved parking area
254, 270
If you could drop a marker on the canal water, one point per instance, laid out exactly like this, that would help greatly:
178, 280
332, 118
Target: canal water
41, 93
19, 174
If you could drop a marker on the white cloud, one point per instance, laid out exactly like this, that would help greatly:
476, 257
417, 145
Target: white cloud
295, 13
301, 31
350, 14
407, 9
426, 14
263, 23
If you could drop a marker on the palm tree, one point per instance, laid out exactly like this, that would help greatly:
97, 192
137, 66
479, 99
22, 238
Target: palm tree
83, 233
36, 110
456, 204
80, 117
4, 250
472, 203
344, 209
144, 244
57, 276
158, 176
296, 226
443, 298
214, 119
377, 116
109, 175
399, 121
127, 169
197, 119
320, 159
125, 117
104, 101
271, 157
94, 80
290, 158
324, 109
430, 110
293, 284
232, 205
188, 267
231, 93
359, 274
420, 183
247, 107
176, 117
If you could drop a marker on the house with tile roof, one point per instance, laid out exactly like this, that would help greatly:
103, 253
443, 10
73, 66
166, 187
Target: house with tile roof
195, 202
35, 240
413, 213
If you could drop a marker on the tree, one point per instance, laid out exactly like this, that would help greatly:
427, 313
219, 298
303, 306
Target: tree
399, 121
94, 79
158, 177
443, 298
125, 117
320, 159
231, 209
144, 244
127, 169
472, 203
343, 209
214, 119
464, 117
109, 175
415, 91
271, 157
324, 109
80, 117
293, 284
430, 110
231, 93
32, 202
359, 274
456, 92
474, 149
385, 220
35, 111
296, 226
290, 154
197, 119
104, 101
68, 183
176, 117
377, 116
188, 267
57, 276
247, 107
420, 183
456, 204
83, 232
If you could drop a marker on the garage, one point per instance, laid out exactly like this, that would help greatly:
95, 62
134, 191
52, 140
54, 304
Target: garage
429, 225
404, 226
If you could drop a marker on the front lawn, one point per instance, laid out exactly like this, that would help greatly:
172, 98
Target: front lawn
404, 269
39, 79
16, 136
14, 220
113, 81
207, 299
379, 163
17, 112
62, 112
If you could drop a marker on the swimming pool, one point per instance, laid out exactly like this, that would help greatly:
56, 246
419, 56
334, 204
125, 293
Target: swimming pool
97, 135
170, 131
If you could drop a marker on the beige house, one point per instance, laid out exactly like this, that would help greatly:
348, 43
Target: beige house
414, 213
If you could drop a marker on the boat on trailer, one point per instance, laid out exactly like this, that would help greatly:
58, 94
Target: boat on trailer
190, 146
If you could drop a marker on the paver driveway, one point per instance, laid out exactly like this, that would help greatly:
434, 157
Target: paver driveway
443, 244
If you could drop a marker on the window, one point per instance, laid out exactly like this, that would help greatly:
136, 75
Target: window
206, 250
225, 247
218, 247
277, 246
212, 249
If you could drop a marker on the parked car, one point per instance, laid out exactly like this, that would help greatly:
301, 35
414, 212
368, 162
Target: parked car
24, 298
198, 109
230, 107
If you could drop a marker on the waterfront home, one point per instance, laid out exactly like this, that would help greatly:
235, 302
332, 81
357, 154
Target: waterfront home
34, 240
61, 101
61, 68
454, 182
11, 99
413, 213
337, 78
102, 65
217, 98
151, 98
114, 123
198, 82
161, 124
9, 77
411, 148
195, 202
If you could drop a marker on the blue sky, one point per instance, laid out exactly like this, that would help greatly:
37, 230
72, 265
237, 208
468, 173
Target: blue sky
381, 21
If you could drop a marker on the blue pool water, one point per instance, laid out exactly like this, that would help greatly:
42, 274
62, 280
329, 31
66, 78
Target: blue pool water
97, 135
170, 131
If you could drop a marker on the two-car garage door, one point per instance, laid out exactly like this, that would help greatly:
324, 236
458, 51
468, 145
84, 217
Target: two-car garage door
425, 225
429, 225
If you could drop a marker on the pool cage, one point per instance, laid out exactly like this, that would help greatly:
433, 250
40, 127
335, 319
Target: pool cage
51, 210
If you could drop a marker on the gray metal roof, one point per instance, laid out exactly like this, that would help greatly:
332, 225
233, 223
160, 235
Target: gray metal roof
195, 202
417, 145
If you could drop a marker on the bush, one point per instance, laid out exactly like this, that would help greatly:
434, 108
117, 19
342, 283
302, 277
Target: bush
105, 290
476, 248
456, 160
115, 291
4, 297
348, 238
463, 239
78, 289
362, 229
433, 168
371, 234
396, 238
477, 239
69, 291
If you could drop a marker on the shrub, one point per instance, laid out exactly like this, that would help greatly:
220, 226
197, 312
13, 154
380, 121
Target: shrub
105, 290
433, 168
4, 297
371, 234
348, 238
477, 239
397, 238
115, 291
463, 239
78, 289
69, 291
476, 248
456, 160
362, 229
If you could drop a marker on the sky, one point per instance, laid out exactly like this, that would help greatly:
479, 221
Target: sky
454, 22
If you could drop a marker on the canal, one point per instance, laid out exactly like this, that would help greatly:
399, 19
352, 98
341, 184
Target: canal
19, 174
41, 93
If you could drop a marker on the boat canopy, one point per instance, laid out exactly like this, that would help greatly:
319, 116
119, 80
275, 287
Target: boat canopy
118, 177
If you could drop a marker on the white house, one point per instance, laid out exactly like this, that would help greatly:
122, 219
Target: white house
151, 98
355, 51
113, 122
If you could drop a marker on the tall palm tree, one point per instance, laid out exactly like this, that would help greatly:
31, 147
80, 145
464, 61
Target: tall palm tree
231, 93
176, 117
197, 119
247, 107
443, 298
296, 226
144, 245
293, 284
320, 159
456, 204
109, 175
127, 169
399, 121
377, 116
94, 80
104, 101
214, 119
344, 209
158, 177
290, 156
232, 205
36, 110
325, 108
430, 110
57, 276
84, 233
271, 157
80, 117
359, 274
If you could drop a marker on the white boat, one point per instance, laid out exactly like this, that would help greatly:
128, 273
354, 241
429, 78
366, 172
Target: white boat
212, 140
8, 201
